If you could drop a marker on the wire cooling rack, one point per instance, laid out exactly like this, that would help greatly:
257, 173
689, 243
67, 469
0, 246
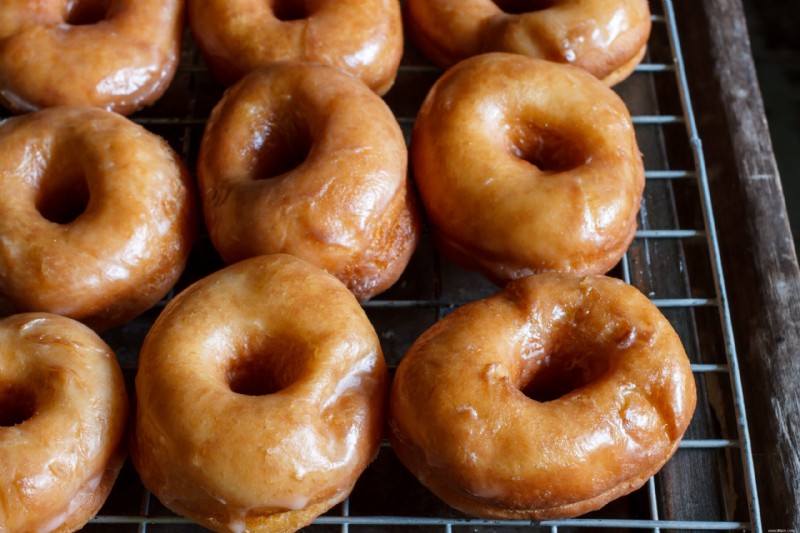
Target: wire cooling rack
674, 259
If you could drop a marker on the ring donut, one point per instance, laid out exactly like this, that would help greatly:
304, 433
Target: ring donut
361, 37
260, 397
526, 166
545, 401
63, 411
303, 159
98, 216
119, 55
607, 39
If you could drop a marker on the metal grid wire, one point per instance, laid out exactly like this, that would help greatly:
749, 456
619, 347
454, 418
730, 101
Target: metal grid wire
674, 259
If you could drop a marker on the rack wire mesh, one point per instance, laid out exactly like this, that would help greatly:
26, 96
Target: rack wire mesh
674, 259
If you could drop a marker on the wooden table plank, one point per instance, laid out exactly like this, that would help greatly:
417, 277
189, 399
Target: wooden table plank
763, 279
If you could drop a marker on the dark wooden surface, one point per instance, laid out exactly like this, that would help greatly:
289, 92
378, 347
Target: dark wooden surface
756, 244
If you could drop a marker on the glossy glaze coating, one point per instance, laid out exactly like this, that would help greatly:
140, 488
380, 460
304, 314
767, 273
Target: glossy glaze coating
308, 412
63, 411
119, 55
305, 160
614, 394
361, 37
604, 37
526, 166
98, 216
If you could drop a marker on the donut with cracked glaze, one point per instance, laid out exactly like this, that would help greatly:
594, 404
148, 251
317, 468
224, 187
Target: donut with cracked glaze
260, 392
545, 401
526, 166
607, 38
302, 159
361, 37
98, 216
119, 55
63, 411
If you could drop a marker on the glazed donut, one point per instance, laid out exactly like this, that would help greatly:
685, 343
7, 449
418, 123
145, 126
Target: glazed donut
63, 411
545, 401
606, 38
119, 55
305, 160
98, 216
261, 391
526, 166
361, 37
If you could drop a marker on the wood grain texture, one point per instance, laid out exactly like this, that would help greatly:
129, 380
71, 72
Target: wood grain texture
763, 279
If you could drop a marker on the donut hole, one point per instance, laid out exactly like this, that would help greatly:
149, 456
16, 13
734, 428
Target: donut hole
518, 7
86, 12
288, 10
264, 371
286, 145
546, 149
559, 374
63, 196
16, 405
